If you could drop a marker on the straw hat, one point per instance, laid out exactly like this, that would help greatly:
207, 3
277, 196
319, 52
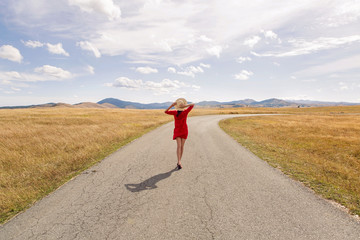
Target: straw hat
180, 104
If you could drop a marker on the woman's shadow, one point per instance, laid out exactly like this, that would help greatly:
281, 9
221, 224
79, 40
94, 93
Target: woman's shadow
148, 183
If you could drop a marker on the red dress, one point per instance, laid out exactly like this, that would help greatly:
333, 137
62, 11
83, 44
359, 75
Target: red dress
181, 129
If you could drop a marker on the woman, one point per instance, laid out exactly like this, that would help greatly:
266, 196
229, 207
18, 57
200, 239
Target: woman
181, 129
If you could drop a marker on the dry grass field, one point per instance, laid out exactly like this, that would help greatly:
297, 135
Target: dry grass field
336, 110
43, 148
321, 150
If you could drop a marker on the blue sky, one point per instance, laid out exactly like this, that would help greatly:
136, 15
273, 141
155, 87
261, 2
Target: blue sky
155, 51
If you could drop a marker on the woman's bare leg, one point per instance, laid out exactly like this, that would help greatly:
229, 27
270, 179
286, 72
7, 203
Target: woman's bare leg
182, 146
178, 150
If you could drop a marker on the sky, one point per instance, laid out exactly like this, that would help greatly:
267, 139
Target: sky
149, 51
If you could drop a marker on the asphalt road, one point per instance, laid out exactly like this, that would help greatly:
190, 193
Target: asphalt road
222, 192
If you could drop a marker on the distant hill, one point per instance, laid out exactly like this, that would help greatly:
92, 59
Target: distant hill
65, 105
125, 104
109, 105
320, 104
273, 102
241, 102
93, 105
209, 104
116, 103
45, 105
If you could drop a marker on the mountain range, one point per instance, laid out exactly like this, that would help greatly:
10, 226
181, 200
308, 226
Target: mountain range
116, 103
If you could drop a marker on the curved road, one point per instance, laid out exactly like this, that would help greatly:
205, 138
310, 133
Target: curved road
223, 192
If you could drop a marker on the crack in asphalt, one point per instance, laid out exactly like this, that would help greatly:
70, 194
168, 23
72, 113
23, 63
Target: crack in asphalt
209, 221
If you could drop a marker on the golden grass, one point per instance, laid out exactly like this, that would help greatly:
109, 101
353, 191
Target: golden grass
43, 148
285, 110
322, 151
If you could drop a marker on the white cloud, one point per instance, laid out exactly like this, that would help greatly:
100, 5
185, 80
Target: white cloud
243, 75
10, 53
243, 59
146, 70
90, 69
251, 42
340, 14
196, 69
10, 75
52, 48
166, 44
271, 35
85, 45
53, 72
205, 38
33, 44
163, 87
171, 70
106, 7
215, 50
42, 74
260, 55
205, 65
303, 47
57, 49
125, 82
190, 71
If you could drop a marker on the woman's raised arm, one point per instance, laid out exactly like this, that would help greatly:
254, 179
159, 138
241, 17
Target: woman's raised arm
173, 104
